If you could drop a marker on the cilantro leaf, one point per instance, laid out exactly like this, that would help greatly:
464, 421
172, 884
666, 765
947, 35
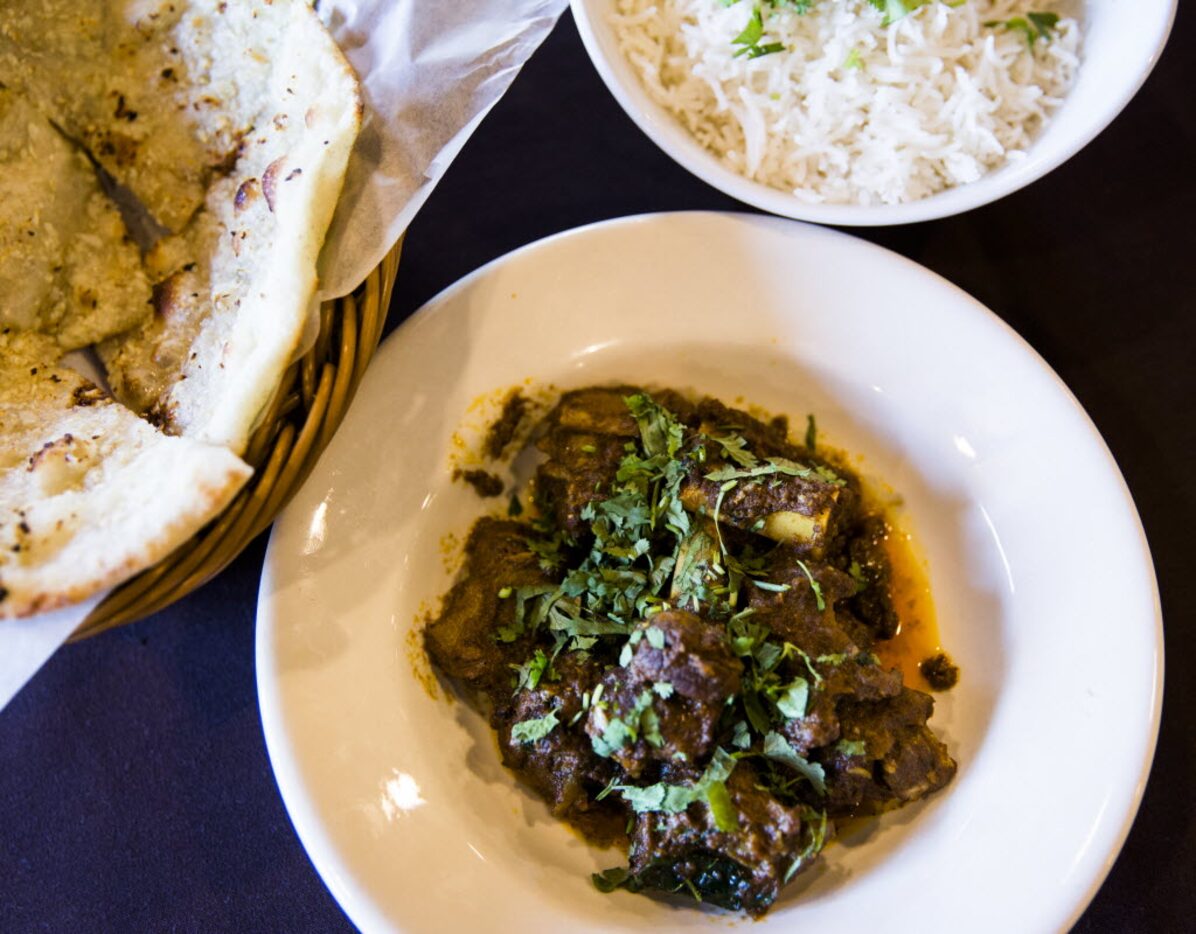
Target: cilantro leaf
777, 748
774, 465
531, 671
1033, 26
735, 448
619, 731
610, 879
896, 9
814, 585
530, 731
673, 799
793, 702
660, 432
815, 843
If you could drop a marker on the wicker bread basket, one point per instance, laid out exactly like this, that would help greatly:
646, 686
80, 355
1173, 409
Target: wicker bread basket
315, 394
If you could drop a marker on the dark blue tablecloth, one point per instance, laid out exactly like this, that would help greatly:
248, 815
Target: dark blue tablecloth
135, 791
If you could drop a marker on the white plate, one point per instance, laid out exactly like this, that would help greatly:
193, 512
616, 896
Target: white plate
1043, 583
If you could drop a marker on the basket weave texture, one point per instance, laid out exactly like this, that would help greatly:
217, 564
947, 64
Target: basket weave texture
314, 396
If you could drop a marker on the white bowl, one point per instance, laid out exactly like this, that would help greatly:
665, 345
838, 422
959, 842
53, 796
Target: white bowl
1122, 41
1041, 576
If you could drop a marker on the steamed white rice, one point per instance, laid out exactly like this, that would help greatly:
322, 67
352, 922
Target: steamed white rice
853, 112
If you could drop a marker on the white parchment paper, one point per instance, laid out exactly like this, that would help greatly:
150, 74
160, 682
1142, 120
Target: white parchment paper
430, 71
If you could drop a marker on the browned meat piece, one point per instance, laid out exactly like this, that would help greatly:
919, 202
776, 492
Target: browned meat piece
802, 510
886, 756
794, 614
461, 640
587, 433
830, 639
597, 410
561, 767
580, 469
855, 677
502, 432
695, 659
940, 672
666, 703
740, 870
767, 440
874, 602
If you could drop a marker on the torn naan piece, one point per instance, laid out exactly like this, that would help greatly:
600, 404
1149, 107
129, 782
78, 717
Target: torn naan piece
90, 494
67, 265
160, 92
234, 290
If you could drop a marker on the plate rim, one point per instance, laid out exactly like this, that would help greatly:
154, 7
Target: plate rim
354, 900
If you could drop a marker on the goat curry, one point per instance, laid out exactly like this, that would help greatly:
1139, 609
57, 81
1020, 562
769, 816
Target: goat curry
676, 646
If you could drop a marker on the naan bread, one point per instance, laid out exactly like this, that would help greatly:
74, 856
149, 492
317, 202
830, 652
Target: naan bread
67, 265
236, 287
160, 92
90, 493
231, 122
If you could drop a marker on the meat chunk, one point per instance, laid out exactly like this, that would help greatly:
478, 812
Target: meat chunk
462, 639
886, 756
665, 704
560, 766
580, 469
856, 677
587, 434
743, 869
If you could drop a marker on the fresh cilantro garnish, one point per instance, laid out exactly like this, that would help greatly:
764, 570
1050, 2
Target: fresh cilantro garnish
660, 432
814, 585
851, 747
793, 700
530, 731
620, 731
774, 465
1033, 26
531, 671
735, 448
611, 879
673, 799
777, 748
896, 9
815, 824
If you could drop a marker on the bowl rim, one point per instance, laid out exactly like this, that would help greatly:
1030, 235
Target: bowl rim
661, 128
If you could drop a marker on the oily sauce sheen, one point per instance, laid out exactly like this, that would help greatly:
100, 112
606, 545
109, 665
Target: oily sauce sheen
918, 637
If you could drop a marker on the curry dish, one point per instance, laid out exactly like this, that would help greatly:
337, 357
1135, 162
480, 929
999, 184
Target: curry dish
677, 650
